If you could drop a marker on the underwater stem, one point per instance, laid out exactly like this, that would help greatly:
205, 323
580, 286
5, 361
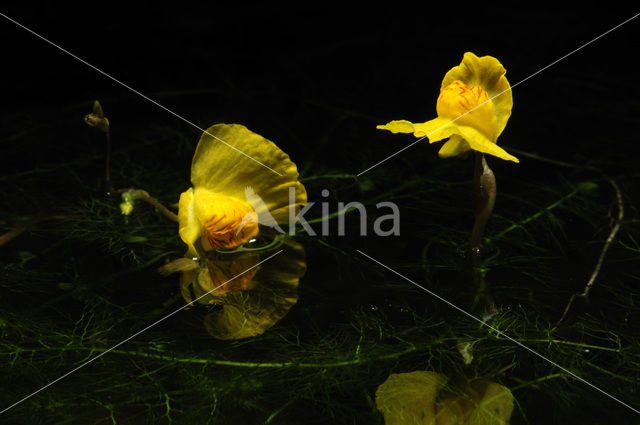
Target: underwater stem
15, 232
210, 361
612, 234
18, 230
532, 217
538, 380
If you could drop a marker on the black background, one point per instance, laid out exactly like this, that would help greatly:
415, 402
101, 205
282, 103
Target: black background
382, 62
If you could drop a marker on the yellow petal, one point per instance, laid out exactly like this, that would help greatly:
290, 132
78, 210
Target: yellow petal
455, 146
442, 128
468, 106
189, 227
225, 163
436, 129
398, 126
479, 142
489, 74
179, 265
186, 279
227, 222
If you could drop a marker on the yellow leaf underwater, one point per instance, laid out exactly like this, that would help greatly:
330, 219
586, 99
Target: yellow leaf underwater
418, 398
409, 398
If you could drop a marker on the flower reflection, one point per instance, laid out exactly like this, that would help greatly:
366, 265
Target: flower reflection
218, 275
247, 299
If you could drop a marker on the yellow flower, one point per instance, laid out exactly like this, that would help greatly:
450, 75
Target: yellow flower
233, 190
473, 108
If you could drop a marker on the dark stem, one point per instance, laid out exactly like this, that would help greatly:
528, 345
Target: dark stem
592, 280
13, 233
484, 196
18, 230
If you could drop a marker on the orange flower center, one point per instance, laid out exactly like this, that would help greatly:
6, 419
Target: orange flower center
229, 229
470, 106
227, 222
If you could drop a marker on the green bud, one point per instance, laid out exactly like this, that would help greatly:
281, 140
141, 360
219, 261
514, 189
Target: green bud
97, 119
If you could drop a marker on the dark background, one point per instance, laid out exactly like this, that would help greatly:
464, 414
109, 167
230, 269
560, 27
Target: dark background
384, 63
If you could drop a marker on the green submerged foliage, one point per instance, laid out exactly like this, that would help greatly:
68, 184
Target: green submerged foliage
83, 277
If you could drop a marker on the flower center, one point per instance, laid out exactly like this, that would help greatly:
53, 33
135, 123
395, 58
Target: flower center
469, 106
227, 222
230, 229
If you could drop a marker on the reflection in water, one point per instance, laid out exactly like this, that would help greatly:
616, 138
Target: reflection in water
252, 302
212, 281
422, 398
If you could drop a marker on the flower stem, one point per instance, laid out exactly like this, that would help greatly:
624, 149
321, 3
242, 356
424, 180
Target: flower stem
484, 197
97, 120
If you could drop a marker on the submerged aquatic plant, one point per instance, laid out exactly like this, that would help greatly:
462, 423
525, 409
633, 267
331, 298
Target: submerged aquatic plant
221, 209
473, 108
